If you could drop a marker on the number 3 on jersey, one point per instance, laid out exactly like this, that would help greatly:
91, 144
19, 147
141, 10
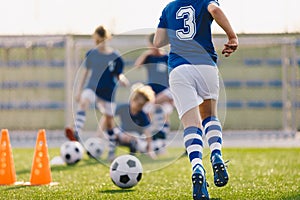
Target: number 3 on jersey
188, 14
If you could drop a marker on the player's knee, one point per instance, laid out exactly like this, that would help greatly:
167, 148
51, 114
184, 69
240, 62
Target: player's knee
84, 104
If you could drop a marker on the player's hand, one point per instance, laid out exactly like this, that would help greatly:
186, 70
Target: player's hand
230, 47
152, 155
123, 81
150, 151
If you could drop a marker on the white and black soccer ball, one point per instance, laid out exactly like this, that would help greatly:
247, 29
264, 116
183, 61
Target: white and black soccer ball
71, 152
126, 171
94, 147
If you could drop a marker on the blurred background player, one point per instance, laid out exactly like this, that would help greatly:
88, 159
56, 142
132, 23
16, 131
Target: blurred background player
194, 81
102, 68
155, 61
135, 126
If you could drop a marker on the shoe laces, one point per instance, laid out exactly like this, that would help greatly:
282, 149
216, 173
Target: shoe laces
226, 163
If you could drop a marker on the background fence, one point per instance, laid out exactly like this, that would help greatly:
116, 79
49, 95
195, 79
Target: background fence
260, 81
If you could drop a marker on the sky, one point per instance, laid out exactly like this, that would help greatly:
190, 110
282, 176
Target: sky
19, 17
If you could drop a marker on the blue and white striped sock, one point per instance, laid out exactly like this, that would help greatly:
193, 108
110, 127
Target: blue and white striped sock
194, 146
213, 132
79, 121
112, 137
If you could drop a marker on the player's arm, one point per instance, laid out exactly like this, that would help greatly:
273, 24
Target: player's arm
141, 59
161, 38
117, 70
147, 131
150, 152
224, 23
123, 80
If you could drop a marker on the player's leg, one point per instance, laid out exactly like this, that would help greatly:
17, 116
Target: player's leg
194, 147
167, 109
160, 127
159, 142
107, 124
129, 140
193, 137
87, 97
159, 123
165, 99
164, 96
213, 132
208, 88
186, 101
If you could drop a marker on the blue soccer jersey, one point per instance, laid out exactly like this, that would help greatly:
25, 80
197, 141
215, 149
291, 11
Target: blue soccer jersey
157, 70
188, 25
132, 122
104, 69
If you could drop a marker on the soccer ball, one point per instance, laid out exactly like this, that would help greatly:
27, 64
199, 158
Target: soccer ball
71, 152
94, 147
126, 171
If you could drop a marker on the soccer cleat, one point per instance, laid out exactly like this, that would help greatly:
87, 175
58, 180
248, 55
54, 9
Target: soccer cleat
69, 132
199, 187
220, 172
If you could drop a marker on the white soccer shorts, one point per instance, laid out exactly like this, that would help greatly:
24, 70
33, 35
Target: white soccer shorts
192, 84
105, 107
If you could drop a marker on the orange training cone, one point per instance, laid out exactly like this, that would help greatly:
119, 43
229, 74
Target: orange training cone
40, 171
7, 167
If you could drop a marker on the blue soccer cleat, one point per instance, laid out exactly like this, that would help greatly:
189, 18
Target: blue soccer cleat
220, 173
199, 186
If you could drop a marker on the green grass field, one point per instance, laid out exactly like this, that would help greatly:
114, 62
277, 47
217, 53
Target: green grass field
265, 173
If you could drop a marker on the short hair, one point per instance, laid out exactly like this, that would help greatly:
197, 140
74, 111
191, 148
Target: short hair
143, 90
102, 32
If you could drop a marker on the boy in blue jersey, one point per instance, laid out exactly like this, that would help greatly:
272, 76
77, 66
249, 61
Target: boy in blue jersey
156, 63
194, 82
103, 67
135, 125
